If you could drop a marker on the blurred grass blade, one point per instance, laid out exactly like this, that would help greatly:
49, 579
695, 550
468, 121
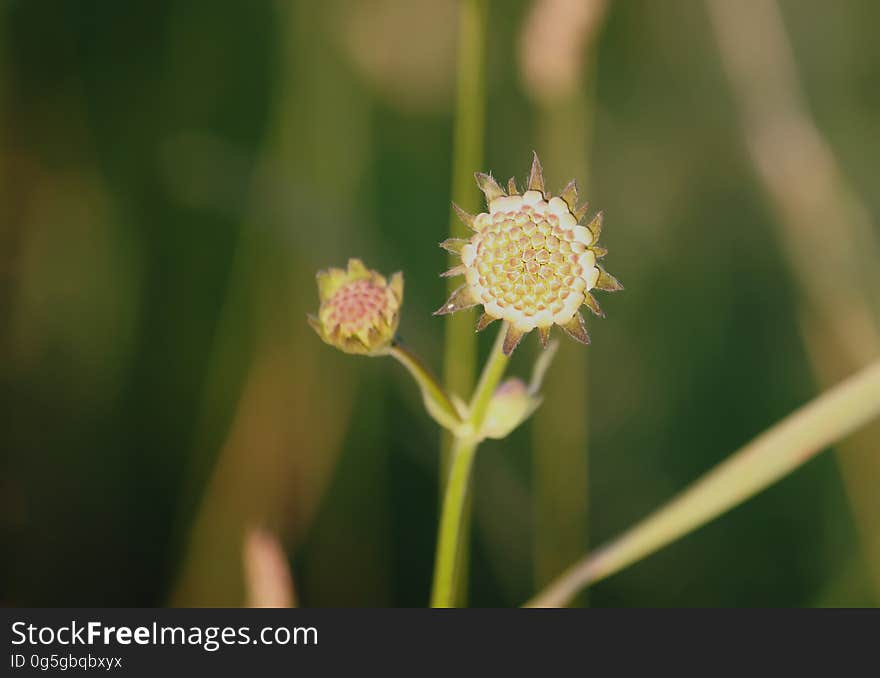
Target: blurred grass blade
817, 208
460, 359
772, 455
557, 65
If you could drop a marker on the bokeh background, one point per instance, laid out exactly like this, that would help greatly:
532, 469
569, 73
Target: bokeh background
172, 174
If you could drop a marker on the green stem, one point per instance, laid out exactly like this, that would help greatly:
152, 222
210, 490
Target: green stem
460, 353
451, 521
452, 530
769, 457
493, 370
437, 401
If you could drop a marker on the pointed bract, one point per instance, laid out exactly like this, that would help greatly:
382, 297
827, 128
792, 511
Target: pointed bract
397, 286
570, 194
576, 329
512, 339
591, 303
511, 186
453, 245
595, 225
454, 271
599, 252
364, 335
536, 176
489, 186
484, 321
581, 212
544, 334
356, 268
314, 323
458, 300
464, 217
329, 281
607, 282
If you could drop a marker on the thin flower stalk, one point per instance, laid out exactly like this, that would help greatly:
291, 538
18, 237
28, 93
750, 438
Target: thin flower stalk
435, 398
449, 537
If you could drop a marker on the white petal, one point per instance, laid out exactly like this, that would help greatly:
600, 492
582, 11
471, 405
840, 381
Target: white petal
561, 317
567, 220
515, 318
544, 318
558, 206
526, 323
587, 260
493, 309
591, 276
572, 304
468, 253
582, 234
509, 203
472, 276
532, 197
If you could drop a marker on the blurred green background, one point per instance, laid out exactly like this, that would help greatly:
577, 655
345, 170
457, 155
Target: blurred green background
172, 174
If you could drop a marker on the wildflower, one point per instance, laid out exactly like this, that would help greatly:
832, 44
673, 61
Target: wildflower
529, 262
359, 309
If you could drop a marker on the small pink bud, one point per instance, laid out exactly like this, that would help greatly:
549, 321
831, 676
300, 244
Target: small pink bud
359, 310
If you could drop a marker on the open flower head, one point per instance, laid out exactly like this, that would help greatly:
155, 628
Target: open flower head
532, 260
359, 309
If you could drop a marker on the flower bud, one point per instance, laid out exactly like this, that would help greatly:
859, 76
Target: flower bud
511, 404
359, 310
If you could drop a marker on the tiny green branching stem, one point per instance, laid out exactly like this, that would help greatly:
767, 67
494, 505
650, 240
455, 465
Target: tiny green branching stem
436, 399
492, 373
769, 457
451, 532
